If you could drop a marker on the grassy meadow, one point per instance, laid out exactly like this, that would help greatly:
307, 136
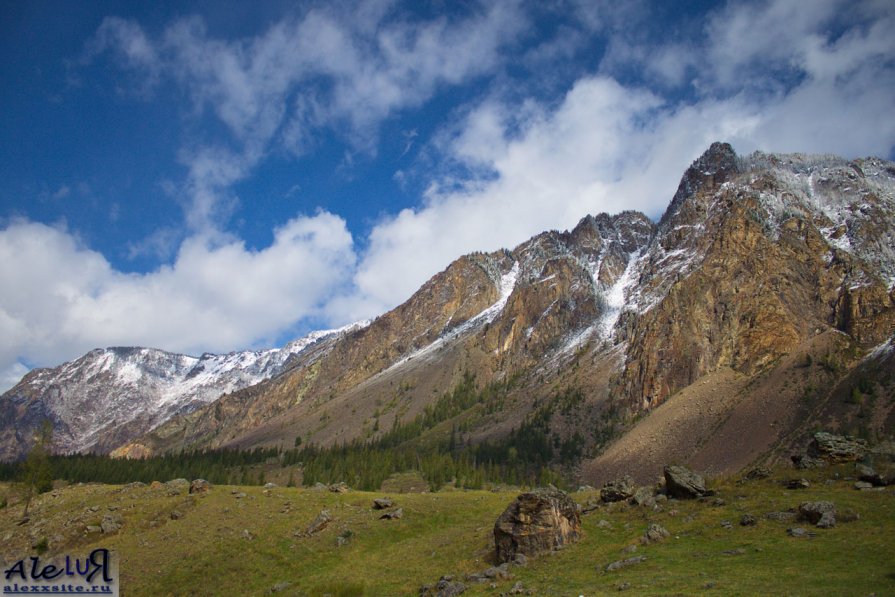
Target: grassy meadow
248, 541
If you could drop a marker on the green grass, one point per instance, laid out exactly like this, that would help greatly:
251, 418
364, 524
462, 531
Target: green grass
205, 552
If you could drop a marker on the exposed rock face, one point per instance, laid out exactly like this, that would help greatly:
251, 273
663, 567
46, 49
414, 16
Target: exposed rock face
683, 483
836, 448
536, 522
754, 257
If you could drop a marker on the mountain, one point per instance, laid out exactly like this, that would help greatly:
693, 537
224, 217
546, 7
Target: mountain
762, 303
109, 396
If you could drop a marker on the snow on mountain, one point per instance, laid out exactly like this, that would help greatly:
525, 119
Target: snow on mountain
113, 394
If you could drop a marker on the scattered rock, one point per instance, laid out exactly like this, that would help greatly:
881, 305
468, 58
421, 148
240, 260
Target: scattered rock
847, 516
618, 490
803, 461
131, 486
863, 485
111, 523
200, 486
344, 537
92, 528
177, 487
604, 524
156, 485
645, 497
837, 448
631, 548
247, 535
625, 563
584, 488
393, 514
781, 516
759, 472
820, 514
445, 587
748, 520
520, 560
798, 484
799, 532
239, 495
517, 589
270, 486
718, 502
726, 524
318, 486
280, 586
176, 515
734, 552
654, 534
624, 586
682, 483
383, 503
340, 487
536, 522
319, 523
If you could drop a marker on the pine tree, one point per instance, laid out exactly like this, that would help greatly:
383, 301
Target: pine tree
37, 474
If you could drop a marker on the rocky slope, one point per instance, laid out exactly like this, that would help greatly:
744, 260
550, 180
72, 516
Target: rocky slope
755, 264
109, 396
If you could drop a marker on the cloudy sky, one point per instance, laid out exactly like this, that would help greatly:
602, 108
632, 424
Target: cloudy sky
211, 176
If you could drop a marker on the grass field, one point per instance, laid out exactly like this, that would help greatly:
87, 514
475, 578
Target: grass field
223, 543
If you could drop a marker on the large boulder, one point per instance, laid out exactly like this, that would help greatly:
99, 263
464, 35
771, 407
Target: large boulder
836, 448
536, 522
682, 483
200, 486
820, 514
618, 490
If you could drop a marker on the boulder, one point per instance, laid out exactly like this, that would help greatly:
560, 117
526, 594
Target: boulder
340, 487
383, 503
644, 496
655, 534
618, 490
759, 472
200, 486
798, 484
747, 520
869, 475
177, 487
445, 587
682, 483
319, 523
111, 523
820, 514
625, 563
536, 522
836, 448
393, 514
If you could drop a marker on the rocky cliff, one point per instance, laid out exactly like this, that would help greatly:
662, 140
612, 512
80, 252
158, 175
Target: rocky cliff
756, 259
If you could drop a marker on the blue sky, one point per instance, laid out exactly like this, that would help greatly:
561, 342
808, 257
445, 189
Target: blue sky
216, 176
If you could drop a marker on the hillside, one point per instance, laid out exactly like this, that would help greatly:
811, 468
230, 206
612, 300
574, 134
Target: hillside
757, 306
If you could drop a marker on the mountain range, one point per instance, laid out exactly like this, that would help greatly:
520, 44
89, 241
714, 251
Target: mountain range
759, 307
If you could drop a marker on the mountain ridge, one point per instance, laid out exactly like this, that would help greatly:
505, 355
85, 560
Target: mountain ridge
753, 258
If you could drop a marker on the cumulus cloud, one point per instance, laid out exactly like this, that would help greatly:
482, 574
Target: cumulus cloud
61, 299
772, 76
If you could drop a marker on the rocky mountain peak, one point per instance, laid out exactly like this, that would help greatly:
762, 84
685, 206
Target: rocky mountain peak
716, 166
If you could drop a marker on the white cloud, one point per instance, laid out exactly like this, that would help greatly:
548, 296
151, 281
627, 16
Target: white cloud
61, 299
607, 147
322, 71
